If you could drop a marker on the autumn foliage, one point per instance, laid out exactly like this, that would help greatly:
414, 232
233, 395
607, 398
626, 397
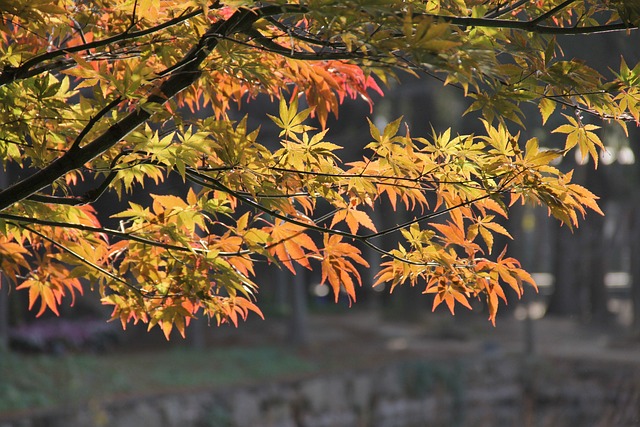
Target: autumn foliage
116, 94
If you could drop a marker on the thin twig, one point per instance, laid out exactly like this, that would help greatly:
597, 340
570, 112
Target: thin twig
83, 259
117, 233
92, 121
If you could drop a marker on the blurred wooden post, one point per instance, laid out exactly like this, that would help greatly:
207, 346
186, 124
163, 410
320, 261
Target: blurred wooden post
4, 314
196, 333
528, 226
564, 300
299, 317
374, 259
4, 290
635, 268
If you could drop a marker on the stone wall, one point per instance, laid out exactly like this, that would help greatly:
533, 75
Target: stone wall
488, 391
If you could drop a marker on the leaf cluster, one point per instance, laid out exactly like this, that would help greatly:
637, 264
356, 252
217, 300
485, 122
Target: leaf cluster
117, 94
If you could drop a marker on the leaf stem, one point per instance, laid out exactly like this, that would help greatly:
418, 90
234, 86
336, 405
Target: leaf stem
83, 259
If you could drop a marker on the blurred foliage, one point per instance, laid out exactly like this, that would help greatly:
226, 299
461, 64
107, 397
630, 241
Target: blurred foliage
28, 382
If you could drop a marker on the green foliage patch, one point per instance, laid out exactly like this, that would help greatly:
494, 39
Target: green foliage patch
30, 382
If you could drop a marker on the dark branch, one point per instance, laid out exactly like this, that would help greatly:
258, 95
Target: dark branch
92, 121
209, 182
548, 14
26, 70
500, 11
169, 88
271, 46
83, 259
530, 26
90, 196
20, 220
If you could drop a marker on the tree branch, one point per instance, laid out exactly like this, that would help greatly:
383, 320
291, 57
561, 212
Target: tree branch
90, 196
177, 81
84, 260
103, 230
551, 12
499, 11
271, 46
92, 121
209, 182
10, 74
529, 26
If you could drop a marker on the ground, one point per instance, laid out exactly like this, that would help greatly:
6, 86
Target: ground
259, 352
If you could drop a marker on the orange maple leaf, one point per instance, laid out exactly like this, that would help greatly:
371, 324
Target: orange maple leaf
354, 219
337, 268
291, 243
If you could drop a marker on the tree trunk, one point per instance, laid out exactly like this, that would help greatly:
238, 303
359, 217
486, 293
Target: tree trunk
4, 314
564, 300
593, 264
299, 318
594, 260
4, 290
196, 334
635, 269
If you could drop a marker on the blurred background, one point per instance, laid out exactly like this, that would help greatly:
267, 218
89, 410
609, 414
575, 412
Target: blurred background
566, 355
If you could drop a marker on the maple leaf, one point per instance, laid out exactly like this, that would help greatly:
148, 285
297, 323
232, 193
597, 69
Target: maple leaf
494, 292
290, 120
99, 110
173, 314
338, 268
354, 219
453, 234
290, 242
449, 296
583, 136
485, 226
12, 259
50, 287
